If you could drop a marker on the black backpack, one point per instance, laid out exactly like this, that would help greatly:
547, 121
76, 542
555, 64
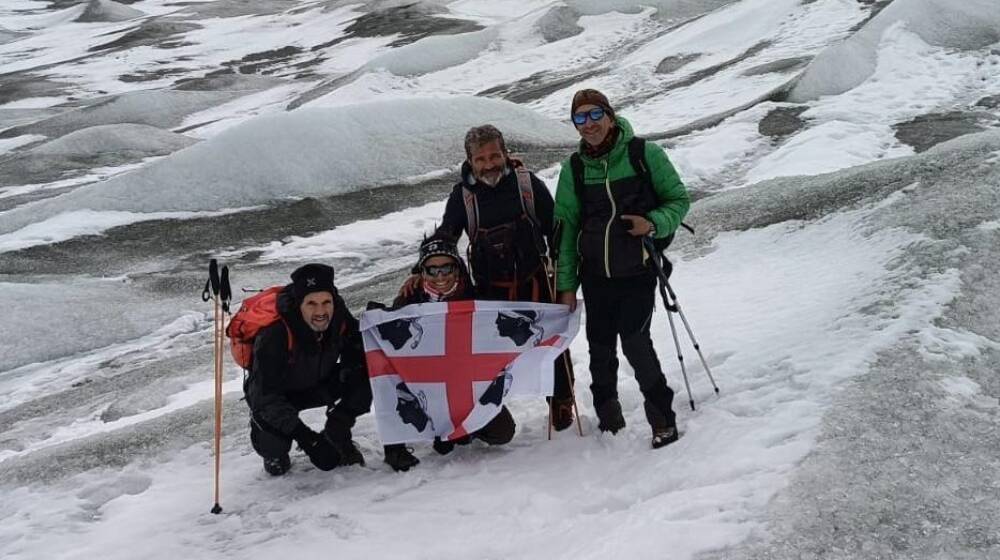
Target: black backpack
636, 157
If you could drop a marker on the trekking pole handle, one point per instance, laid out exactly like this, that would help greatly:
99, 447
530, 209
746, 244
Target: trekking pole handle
647, 242
213, 276
225, 290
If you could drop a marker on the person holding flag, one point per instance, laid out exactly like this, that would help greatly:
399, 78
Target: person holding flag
442, 365
444, 277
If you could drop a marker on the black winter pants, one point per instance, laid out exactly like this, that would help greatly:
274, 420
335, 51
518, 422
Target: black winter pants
623, 307
269, 442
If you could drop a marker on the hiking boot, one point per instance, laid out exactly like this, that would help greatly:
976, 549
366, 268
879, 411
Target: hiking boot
442, 447
277, 466
562, 413
663, 437
400, 458
609, 416
664, 427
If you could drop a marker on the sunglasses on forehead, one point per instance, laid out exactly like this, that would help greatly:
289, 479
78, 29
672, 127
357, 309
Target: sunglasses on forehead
441, 270
595, 114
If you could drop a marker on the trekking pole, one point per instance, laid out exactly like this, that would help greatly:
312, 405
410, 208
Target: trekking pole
553, 263
675, 307
218, 290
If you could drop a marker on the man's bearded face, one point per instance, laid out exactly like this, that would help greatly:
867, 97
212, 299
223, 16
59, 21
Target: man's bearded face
489, 163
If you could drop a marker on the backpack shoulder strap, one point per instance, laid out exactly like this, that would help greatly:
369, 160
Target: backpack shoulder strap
527, 193
528, 207
576, 166
637, 157
471, 212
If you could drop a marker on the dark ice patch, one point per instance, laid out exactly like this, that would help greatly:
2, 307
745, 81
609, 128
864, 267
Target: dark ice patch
140, 76
782, 121
989, 102
779, 66
929, 130
150, 33
411, 22
264, 62
538, 85
16, 86
675, 63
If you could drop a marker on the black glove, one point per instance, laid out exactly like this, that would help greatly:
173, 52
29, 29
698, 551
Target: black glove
346, 450
338, 425
320, 451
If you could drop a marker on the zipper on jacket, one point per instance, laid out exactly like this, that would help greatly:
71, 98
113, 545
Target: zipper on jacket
607, 230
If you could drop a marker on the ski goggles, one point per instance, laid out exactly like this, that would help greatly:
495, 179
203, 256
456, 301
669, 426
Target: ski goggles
595, 114
441, 270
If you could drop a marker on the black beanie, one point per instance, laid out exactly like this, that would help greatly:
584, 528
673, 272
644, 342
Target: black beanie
312, 278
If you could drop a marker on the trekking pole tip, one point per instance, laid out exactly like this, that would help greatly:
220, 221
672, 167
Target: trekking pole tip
216, 509
691, 403
716, 390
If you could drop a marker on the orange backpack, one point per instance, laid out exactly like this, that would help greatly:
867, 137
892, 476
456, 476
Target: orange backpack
255, 313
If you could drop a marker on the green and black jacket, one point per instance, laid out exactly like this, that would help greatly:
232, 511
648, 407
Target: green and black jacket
595, 241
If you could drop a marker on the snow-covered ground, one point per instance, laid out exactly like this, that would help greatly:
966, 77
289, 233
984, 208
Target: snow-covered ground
842, 283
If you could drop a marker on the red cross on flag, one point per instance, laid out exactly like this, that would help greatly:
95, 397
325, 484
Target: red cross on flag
445, 369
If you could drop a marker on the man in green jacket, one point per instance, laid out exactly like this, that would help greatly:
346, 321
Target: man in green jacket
604, 221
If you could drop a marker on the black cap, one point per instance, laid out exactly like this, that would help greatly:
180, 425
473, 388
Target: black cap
439, 244
311, 278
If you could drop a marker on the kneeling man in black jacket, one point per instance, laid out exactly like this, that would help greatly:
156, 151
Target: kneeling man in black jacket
312, 357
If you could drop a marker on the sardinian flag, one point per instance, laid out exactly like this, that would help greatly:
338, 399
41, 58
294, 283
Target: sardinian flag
445, 369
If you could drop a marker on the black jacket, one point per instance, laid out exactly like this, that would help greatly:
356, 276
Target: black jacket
499, 205
319, 371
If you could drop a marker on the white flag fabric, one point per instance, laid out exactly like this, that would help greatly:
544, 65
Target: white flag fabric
445, 369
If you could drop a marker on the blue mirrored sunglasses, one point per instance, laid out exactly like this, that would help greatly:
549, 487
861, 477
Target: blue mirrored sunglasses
595, 115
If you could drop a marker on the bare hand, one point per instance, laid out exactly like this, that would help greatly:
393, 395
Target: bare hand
411, 285
568, 298
638, 225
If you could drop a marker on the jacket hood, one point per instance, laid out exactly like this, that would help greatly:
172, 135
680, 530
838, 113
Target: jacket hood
620, 148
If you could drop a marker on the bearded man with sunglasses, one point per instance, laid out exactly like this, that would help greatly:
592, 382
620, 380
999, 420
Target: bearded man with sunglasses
444, 277
606, 203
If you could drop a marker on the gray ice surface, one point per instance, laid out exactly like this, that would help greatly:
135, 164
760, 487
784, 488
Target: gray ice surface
162, 108
905, 468
966, 25
308, 152
98, 146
